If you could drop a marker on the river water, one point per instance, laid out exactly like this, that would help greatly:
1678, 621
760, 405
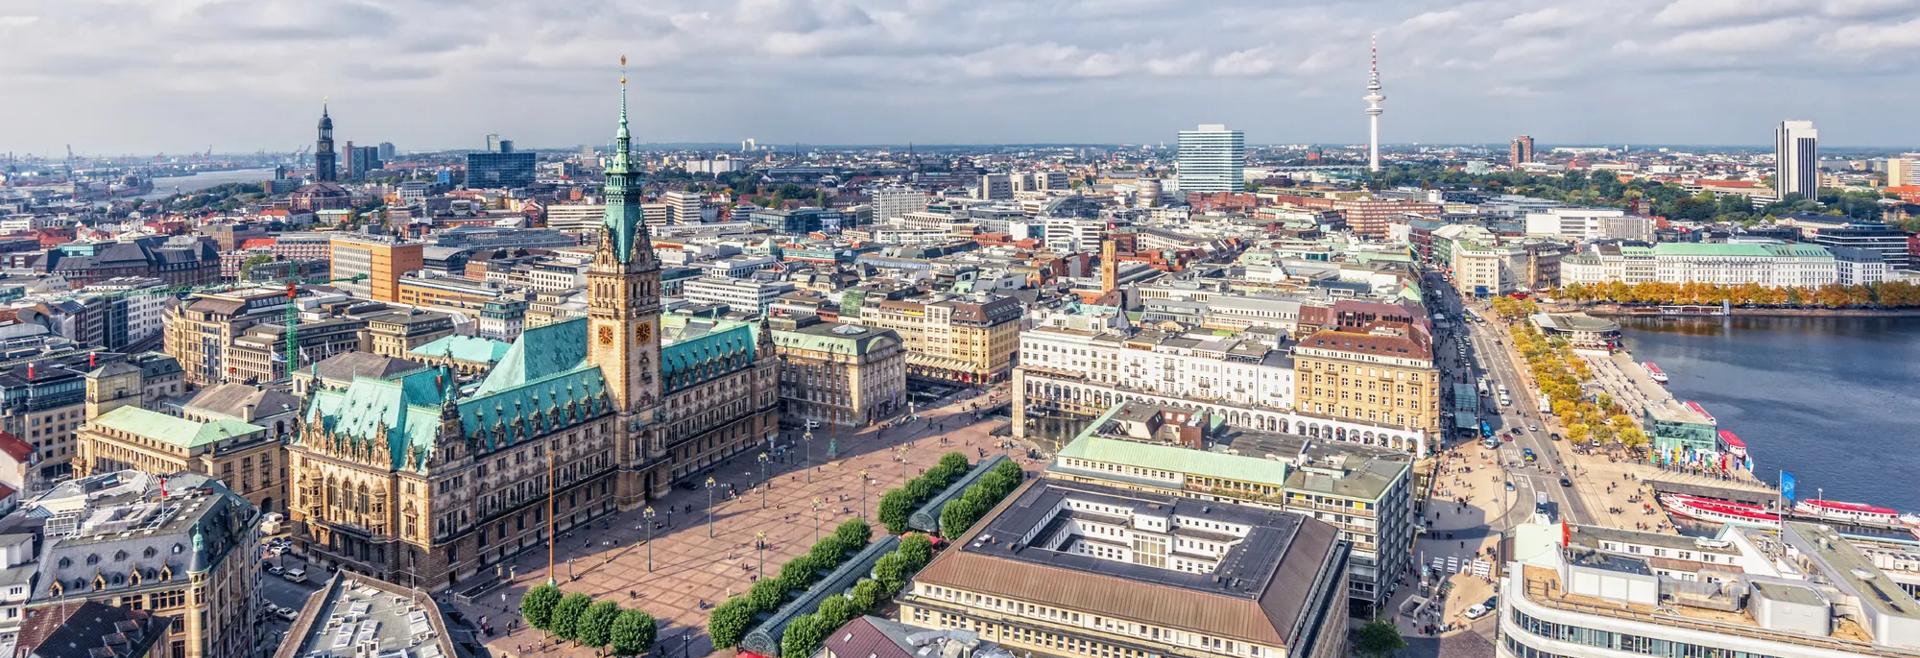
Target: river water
1834, 400
166, 187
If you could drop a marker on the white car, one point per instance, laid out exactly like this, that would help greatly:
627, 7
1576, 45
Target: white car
287, 613
1477, 611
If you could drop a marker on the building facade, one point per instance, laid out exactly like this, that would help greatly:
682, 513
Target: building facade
967, 339
840, 375
1212, 159
1382, 374
1796, 153
584, 416
381, 260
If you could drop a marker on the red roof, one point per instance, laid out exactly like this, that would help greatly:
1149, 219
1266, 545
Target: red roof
1850, 507
1729, 183
258, 243
15, 447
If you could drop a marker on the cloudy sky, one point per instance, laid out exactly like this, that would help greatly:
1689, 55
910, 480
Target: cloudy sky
179, 75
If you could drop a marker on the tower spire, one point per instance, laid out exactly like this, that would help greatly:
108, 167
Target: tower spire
625, 231
1373, 99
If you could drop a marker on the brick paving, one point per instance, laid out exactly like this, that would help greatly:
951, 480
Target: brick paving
692, 572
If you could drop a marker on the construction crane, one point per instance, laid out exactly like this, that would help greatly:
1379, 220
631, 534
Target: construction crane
293, 315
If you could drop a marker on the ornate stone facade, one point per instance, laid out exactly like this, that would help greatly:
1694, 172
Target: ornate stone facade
425, 477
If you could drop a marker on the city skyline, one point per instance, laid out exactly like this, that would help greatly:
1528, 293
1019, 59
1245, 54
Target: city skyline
835, 72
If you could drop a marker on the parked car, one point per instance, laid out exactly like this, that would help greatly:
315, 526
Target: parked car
287, 613
295, 575
1477, 611
1555, 436
275, 569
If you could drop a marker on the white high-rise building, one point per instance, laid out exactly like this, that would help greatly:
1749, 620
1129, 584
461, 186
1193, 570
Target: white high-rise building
1212, 158
1797, 158
890, 203
1373, 99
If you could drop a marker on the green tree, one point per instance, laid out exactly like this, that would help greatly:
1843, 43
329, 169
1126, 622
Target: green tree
567, 614
835, 611
803, 636
891, 571
917, 549
866, 595
536, 606
596, 625
633, 633
894, 510
765, 595
1378, 639
256, 260
728, 622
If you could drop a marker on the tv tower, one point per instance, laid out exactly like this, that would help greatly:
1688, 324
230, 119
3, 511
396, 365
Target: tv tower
1373, 99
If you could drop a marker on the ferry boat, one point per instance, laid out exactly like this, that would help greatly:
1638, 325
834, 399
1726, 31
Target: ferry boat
1654, 372
1695, 406
1843, 511
1731, 444
1715, 510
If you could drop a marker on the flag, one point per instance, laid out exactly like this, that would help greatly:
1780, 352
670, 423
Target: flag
1786, 485
1566, 533
1749, 463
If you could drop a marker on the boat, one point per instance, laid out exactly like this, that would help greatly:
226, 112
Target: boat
1695, 406
1716, 510
1731, 444
1844, 511
1654, 372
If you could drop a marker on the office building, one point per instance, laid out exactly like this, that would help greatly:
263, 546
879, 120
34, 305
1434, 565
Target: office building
1520, 150
396, 333
499, 170
385, 152
1373, 218
1075, 569
1212, 159
360, 160
381, 259
1800, 591
1381, 374
245, 457
493, 143
996, 186
684, 207
1243, 369
1773, 265
890, 203
964, 339
200, 330
841, 375
1364, 492
1903, 171
576, 217
1796, 155
1588, 224
179, 545
388, 620
750, 295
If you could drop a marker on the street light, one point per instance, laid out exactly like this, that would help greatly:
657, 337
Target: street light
863, 494
765, 483
760, 542
647, 514
816, 519
710, 484
808, 439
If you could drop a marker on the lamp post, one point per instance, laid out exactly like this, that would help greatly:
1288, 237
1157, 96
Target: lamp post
765, 483
647, 515
551, 492
863, 494
807, 438
760, 542
710, 485
816, 519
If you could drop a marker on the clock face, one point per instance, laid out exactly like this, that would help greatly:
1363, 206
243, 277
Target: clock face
644, 331
606, 335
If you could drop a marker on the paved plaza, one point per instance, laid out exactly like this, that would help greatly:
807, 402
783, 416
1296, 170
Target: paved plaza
692, 572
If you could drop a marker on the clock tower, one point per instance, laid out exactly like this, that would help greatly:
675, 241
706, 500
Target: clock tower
623, 320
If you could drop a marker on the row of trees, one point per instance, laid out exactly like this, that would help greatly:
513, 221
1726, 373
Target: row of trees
980, 498
730, 621
1890, 294
1559, 374
1604, 188
577, 618
805, 633
899, 502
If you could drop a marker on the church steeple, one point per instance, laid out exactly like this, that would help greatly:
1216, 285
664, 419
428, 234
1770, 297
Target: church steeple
323, 162
625, 229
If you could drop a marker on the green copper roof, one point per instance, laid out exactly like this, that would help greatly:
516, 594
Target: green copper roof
1744, 250
701, 350
172, 429
538, 353
407, 407
464, 348
1186, 461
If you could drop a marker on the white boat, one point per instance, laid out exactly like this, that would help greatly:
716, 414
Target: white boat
1845, 511
1715, 510
1654, 372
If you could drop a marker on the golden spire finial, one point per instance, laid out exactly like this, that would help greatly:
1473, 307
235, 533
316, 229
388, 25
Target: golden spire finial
623, 70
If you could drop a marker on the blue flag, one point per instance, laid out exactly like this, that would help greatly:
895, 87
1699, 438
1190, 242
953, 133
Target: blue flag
1786, 485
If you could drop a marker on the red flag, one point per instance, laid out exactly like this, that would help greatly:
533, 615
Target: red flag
1566, 533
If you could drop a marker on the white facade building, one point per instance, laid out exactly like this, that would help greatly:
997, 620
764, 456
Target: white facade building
1239, 370
894, 202
1585, 224
753, 295
1797, 159
1771, 265
1212, 159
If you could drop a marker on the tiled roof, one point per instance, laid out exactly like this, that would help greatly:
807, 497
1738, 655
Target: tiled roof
15, 447
702, 350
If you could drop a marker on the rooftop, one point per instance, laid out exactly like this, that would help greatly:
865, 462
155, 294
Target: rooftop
356, 616
174, 430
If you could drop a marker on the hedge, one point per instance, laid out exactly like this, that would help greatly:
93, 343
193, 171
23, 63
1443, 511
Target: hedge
979, 499
805, 633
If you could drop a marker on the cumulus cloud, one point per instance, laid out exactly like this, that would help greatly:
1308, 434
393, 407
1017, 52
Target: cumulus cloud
873, 70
